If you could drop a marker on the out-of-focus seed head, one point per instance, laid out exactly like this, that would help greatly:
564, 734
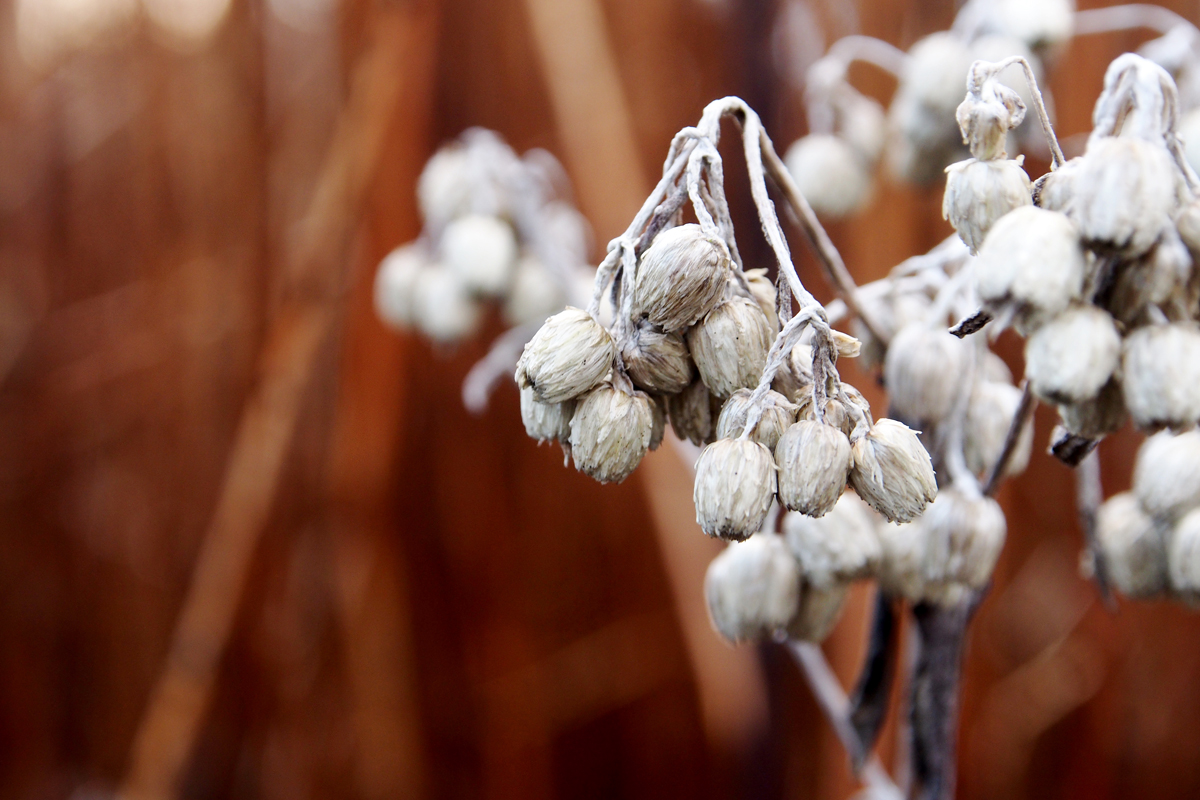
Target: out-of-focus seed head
1189, 132
656, 361
482, 251
1161, 365
396, 285
863, 124
752, 588
1158, 278
443, 307
980, 192
691, 414
534, 294
964, 536
992, 368
730, 346
1187, 223
680, 277
841, 546
902, 560
1096, 418
830, 174
1166, 476
891, 313
1131, 546
763, 290
892, 471
794, 379
445, 186
777, 414
570, 354
1070, 358
546, 421
1040, 24
935, 71
735, 484
1053, 191
1124, 193
989, 416
659, 429
820, 609
610, 433
1183, 558
922, 371
814, 462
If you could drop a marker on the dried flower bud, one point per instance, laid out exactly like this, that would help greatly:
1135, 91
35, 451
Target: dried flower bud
839, 547
730, 346
847, 346
680, 278
1124, 194
691, 414
1161, 365
534, 294
1070, 358
1054, 190
443, 308
819, 611
794, 379
993, 369
1183, 557
569, 355
752, 588
863, 124
1040, 24
657, 362
777, 414
1132, 547
1166, 477
902, 560
735, 484
829, 173
1096, 418
989, 416
610, 433
763, 290
444, 188
658, 405
546, 421
396, 285
922, 370
964, 536
814, 462
482, 251
980, 192
892, 471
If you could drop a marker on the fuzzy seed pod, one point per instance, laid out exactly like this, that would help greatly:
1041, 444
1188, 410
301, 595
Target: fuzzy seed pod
1096, 418
964, 536
819, 611
922, 139
657, 362
1161, 365
794, 379
534, 294
482, 251
763, 290
752, 588
989, 415
1187, 223
935, 71
891, 312
610, 433
1189, 132
1132, 547
1183, 557
777, 414
680, 278
396, 285
902, 560
1033, 259
1070, 358
829, 173
993, 369
735, 484
730, 346
892, 471
691, 414
814, 462
1040, 24
658, 430
443, 307
444, 188
1166, 476
1158, 278
839, 547
863, 124
546, 421
921, 372
569, 355
1054, 190
1124, 194
980, 192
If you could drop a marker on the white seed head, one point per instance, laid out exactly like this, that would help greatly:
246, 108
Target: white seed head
482, 251
838, 547
680, 278
735, 484
964, 536
830, 174
935, 71
1183, 557
1166, 476
1157, 278
546, 421
763, 290
1132, 547
777, 414
922, 371
902, 560
980, 192
443, 307
658, 405
1161, 365
656, 361
396, 285
568, 355
992, 368
890, 312
1037, 23
1055, 189
730, 346
752, 588
814, 462
1096, 418
922, 139
1124, 193
1187, 223
1071, 357
534, 294
892, 471
610, 433
863, 124
820, 609
989, 415
691, 413
444, 188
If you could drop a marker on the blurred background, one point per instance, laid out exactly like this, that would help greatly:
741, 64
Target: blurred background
252, 545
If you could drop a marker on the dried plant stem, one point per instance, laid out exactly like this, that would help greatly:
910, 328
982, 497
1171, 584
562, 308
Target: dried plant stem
1126, 17
1056, 153
1020, 419
935, 695
1089, 494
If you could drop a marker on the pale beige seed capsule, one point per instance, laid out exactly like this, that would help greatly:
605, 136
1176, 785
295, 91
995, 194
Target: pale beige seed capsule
752, 589
546, 421
1095, 418
1124, 194
444, 188
794, 379
570, 354
1161, 365
814, 462
891, 313
534, 294
980, 192
863, 124
659, 429
1183, 558
656, 361
935, 71
1054, 190
989, 416
819, 611
396, 285
922, 371
902, 560
777, 414
1187, 223
443, 307
964, 536
680, 278
839, 547
482, 251
993, 369
830, 174
1132, 547
1166, 476
691, 414
763, 290
610, 432
1070, 358
735, 484
1040, 24
730, 346
892, 471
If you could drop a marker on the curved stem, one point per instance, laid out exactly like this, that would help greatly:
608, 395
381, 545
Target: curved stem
1123, 18
1056, 153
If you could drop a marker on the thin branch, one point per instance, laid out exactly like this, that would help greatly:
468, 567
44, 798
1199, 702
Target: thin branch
1020, 419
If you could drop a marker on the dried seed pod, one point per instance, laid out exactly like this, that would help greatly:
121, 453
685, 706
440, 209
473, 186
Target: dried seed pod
980, 192
1070, 358
658, 405
892, 471
819, 611
1161, 366
570, 354
993, 369
534, 294
922, 139
610, 432
730, 346
794, 379
735, 484
396, 285
964, 536
1054, 190
763, 290
1183, 557
1124, 194
546, 421
863, 124
1033, 259
777, 414
691, 414
829, 173
1187, 223
891, 313
1166, 476
814, 462
752, 588
1158, 278
657, 362
839, 547
445, 187
482, 251
935, 69
989, 416
680, 278
443, 307
1040, 24
1132, 547
1096, 418
902, 560
921, 372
